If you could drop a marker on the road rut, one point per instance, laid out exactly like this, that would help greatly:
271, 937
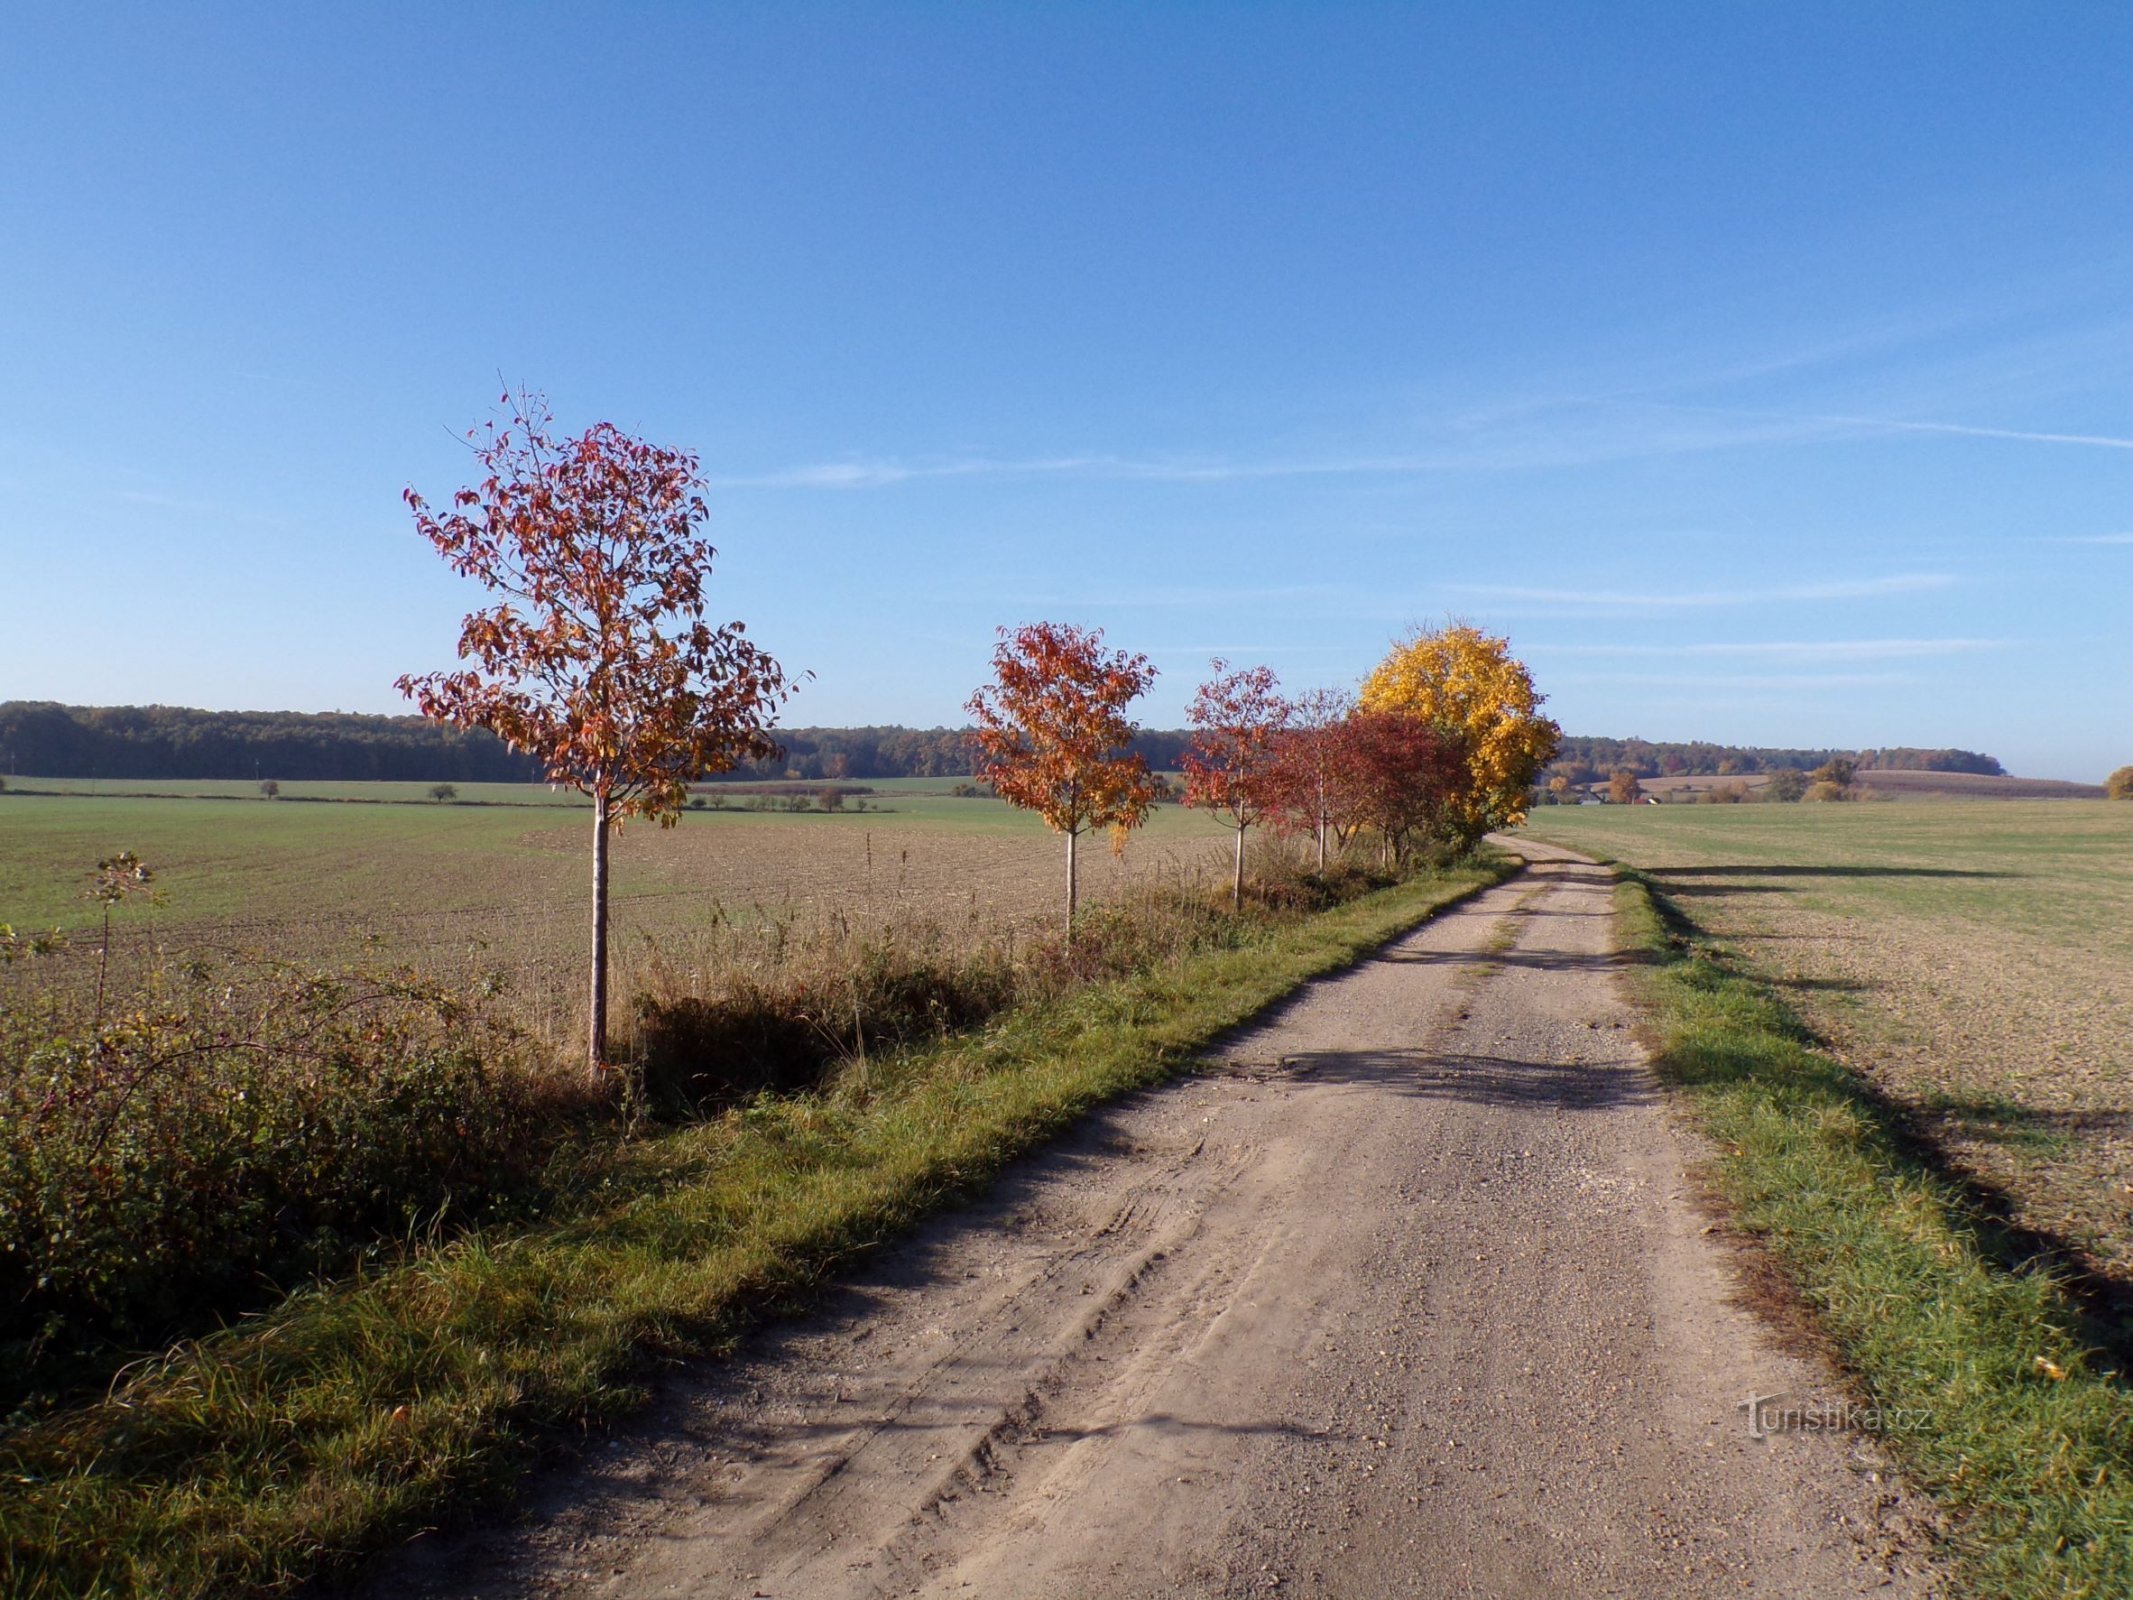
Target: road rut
1407, 1294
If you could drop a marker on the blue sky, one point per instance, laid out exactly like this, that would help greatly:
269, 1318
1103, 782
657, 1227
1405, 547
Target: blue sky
1762, 370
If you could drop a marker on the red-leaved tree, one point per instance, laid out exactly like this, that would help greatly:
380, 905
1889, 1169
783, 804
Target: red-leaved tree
1304, 790
1051, 733
1402, 777
1237, 718
597, 659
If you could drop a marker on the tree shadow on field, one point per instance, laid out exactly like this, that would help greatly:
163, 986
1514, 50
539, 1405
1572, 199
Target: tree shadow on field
1797, 869
1824, 985
1917, 1134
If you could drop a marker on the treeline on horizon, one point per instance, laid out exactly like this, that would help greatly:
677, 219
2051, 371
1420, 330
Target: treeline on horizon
50, 740
1589, 760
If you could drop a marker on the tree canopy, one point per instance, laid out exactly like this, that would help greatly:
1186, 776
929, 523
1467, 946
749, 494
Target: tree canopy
1052, 732
1468, 684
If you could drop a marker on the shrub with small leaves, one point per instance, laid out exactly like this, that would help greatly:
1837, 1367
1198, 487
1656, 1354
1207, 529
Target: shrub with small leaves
217, 1134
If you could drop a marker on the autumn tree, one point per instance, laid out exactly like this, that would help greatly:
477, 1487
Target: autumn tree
597, 659
1623, 787
1305, 785
2119, 785
1833, 779
1237, 719
1468, 684
1051, 733
1405, 778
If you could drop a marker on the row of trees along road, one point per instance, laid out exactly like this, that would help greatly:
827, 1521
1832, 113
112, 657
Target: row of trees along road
1442, 744
597, 661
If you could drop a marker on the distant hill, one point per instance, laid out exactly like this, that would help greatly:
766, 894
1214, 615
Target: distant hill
59, 741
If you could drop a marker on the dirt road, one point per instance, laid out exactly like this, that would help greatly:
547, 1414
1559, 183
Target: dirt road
1405, 1296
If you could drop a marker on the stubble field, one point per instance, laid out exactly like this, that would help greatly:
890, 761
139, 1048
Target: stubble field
500, 891
1974, 961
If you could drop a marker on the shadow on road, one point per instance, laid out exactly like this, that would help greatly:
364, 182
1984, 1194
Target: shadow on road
1472, 1079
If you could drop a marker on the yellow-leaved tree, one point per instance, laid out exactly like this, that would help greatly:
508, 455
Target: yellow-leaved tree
1468, 683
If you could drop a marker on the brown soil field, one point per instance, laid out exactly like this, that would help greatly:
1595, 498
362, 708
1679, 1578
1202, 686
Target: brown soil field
1974, 962
1971, 786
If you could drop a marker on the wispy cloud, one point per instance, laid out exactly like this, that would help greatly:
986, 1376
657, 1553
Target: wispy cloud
1801, 650
883, 473
1967, 430
1827, 420
1791, 681
1656, 600
203, 508
2092, 538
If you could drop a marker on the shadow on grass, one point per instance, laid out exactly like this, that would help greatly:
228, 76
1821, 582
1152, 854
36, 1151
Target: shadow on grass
1823, 985
2100, 1297
1795, 869
2008, 1122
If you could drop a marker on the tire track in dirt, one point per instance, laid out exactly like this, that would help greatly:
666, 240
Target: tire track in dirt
1405, 1295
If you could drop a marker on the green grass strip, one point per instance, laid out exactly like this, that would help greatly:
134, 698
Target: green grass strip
357, 1412
2027, 1438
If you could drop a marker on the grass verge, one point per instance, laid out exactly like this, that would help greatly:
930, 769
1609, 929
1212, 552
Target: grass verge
2023, 1436
354, 1413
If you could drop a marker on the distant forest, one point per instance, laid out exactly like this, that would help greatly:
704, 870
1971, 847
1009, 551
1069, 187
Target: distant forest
152, 742
1584, 760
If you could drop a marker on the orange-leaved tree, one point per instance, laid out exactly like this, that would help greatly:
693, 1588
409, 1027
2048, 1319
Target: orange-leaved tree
1051, 732
1468, 684
1237, 718
597, 660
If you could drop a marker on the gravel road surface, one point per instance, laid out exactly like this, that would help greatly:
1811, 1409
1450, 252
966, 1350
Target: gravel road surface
1408, 1294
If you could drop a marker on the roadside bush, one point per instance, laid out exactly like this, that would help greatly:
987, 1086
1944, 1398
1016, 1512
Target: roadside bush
211, 1139
784, 1032
778, 1008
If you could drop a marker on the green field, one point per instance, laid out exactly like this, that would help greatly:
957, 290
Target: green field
503, 889
1974, 962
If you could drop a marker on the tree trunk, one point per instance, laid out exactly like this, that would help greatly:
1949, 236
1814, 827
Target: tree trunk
1321, 827
596, 1039
1073, 889
1236, 882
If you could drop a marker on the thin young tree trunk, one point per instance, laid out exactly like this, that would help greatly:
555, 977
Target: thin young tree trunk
1073, 889
596, 1042
1322, 825
1236, 883
103, 962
